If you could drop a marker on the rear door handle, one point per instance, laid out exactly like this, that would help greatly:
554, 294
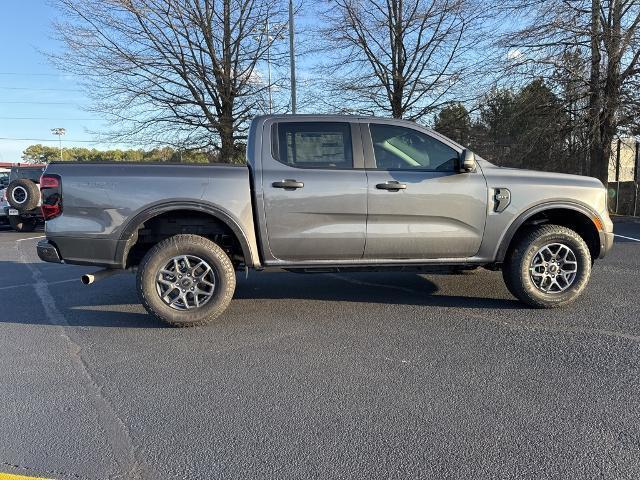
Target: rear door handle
288, 184
392, 186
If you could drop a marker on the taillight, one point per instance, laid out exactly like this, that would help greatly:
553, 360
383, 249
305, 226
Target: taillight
49, 181
51, 193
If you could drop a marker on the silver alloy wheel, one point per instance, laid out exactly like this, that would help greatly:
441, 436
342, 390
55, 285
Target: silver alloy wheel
186, 282
21, 195
553, 268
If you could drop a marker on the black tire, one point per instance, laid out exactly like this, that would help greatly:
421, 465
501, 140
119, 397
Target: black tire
23, 194
191, 245
21, 224
516, 268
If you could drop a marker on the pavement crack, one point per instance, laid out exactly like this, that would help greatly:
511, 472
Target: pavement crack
118, 435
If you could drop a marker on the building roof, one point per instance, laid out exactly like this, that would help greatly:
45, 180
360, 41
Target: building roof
10, 164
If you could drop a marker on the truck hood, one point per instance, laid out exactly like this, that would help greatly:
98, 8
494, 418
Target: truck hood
530, 188
519, 176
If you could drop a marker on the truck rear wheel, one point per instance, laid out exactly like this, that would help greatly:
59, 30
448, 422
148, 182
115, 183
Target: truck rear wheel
186, 280
21, 224
548, 267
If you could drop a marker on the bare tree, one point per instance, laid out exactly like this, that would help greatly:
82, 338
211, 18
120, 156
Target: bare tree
181, 72
605, 36
405, 58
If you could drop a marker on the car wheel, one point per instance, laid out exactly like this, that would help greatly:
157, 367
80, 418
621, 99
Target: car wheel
186, 280
548, 267
23, 194
20, 224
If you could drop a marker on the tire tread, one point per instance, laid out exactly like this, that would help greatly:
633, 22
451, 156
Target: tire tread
512, 270
175, 242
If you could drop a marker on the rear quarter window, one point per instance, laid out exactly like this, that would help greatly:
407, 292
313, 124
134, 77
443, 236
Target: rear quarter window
30, 173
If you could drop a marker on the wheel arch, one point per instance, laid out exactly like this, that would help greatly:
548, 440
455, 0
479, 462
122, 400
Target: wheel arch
576, 216
129, 234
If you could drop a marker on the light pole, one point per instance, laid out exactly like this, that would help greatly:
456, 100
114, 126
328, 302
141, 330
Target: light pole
266, 31
269, 64
59, 131
292, 58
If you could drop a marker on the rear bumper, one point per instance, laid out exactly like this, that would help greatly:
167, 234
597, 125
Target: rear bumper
36, 212
78, 251
48, 252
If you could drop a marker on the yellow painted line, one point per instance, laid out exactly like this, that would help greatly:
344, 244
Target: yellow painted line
8, 476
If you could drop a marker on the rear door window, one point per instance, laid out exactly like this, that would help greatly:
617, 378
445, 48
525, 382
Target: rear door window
314, 145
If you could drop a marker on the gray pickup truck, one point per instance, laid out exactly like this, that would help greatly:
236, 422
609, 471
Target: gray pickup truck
320, 194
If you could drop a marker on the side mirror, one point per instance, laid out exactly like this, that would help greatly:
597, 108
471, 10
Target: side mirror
467, 161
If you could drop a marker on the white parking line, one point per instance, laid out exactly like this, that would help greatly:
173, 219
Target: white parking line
627, 238
32, 284
30, 238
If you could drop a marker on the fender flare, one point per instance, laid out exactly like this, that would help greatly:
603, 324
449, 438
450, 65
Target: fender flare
527, 214
128, 234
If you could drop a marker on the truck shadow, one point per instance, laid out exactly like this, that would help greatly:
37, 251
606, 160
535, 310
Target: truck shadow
379, 287
5, 227
113, 302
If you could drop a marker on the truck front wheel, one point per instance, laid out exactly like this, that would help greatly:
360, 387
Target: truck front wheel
186, 280
548, 267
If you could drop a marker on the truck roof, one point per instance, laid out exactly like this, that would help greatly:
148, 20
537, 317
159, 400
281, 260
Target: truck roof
331, 116
350, 118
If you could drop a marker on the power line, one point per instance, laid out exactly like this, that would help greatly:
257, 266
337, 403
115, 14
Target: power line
35, 74
31, 102
42, 89
97, 142
51, 118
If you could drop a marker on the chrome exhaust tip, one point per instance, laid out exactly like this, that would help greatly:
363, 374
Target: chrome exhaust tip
89, 278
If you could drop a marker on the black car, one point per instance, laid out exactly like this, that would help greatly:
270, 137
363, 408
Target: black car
23, 197
4, 183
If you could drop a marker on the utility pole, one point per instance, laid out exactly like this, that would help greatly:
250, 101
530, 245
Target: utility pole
269, 66
59, 131
292, 58
265, 32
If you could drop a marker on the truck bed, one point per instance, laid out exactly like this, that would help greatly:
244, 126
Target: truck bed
101, 201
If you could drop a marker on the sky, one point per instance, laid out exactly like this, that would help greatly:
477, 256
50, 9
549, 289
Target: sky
34, 96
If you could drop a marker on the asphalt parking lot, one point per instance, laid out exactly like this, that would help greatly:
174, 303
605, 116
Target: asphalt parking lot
320, 376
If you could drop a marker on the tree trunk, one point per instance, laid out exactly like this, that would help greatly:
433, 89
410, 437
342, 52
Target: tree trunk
595, 149
225, 121
227, 146
397, 63
609, 98
225, 131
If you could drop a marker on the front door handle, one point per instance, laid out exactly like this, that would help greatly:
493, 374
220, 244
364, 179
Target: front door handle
392, 186
288, 184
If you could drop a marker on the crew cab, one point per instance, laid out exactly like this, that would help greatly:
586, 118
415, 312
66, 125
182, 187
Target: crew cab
318, 194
